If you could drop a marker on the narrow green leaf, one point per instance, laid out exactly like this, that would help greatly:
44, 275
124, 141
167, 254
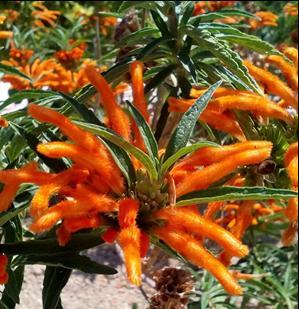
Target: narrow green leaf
55, 280
188, 12
184, 130
70, 261
229, 57
161, 24
27, 94
10, 295
78, 242
159, 78
182, 152
233, 35
234, 193
145, 131
9, 214
137, 36
12, 70
119, 141
150, 47
55, 164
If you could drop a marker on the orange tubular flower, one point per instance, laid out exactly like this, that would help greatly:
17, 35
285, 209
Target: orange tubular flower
40, 201
3, 266
3, 122
136, 70
184, 219
6, 34
291, 9
12, 179
264, 19
208, 155
71, 209
43, 16
87, 144
291, 163
243, 222
192, 250
273, 84
203, 178
129, 240
118, 119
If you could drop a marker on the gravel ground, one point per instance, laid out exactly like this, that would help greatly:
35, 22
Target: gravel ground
88, 291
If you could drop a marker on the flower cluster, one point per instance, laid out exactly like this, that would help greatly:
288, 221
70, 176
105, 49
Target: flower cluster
44, 17
92, 192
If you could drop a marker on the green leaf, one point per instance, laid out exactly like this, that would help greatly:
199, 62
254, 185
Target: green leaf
183, 132
9, 214
12, 70
150, 47
10, 295
137, 36
160, 23
70, 261
33, 141
221, 51
233, 35
182, 152
27, 94
145, 131
188, 11
206, 17
119, 141
55, 280
78, 242
234, 193
123, 161
159, 78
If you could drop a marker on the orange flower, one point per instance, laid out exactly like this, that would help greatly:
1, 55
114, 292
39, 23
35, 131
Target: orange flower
118, 119
3, 266
191, 249
273, 84
6, 34
3, 122
20, 55
12, 179
201, 179
291, 163
203, 6
264, 19
43, 16
291, 9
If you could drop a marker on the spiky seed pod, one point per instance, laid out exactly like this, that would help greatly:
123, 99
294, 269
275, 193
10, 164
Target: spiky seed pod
173, 286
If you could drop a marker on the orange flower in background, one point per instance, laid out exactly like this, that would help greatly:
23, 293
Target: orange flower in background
211, 6
3, 122
291, 9
20, 55
106, 23
42, 16
6, 34
264, 19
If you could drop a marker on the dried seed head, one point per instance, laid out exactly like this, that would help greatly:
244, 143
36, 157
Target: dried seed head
266, 167
173, 286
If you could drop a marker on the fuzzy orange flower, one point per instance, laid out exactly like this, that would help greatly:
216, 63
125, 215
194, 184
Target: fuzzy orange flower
264, 19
